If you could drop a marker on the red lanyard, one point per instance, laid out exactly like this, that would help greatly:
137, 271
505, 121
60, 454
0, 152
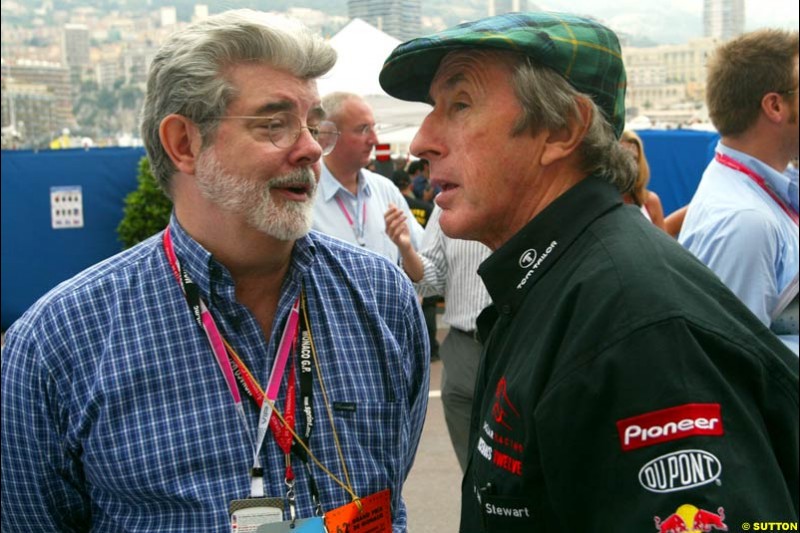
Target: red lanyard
736, 165
281, 432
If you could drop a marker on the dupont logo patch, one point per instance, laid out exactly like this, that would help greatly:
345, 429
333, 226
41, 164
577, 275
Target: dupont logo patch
670, 424
681, 470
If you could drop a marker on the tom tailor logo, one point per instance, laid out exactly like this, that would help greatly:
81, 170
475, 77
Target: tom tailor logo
670, 424
681, 470
527, 258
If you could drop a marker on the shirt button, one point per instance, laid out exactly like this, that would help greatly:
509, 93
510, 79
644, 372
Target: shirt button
506, 310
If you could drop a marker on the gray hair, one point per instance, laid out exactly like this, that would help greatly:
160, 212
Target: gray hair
332, 103
548, 101
187, 74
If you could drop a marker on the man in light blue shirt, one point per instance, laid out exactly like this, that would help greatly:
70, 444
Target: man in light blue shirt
743, 221
351, 200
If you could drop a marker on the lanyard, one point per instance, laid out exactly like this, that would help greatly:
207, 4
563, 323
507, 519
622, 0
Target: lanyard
204, 319
264, 419
358, 229
206, 322
283, 432
307, 404
736, 165
242, 373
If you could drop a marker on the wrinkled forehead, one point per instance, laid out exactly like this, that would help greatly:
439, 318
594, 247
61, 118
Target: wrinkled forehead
476, 67
260, 88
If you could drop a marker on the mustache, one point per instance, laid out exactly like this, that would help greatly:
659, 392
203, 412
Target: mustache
301, 178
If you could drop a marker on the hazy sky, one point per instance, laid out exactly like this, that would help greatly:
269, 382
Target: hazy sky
673, 20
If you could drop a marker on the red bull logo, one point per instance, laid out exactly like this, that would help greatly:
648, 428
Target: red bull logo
688, 518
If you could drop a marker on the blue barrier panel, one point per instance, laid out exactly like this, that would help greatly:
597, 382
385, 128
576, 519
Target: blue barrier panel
677, 159
36, 257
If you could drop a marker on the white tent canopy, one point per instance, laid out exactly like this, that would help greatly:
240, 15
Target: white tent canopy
362, 49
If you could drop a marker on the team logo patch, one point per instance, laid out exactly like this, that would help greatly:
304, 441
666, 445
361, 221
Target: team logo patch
681, 470
670, 424
689, 519
499, 443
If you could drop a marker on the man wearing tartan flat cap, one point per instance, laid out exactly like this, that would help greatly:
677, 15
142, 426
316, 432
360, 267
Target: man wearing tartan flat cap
622, 386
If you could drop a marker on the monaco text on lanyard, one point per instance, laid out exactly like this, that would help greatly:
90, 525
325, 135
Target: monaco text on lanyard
218, 345
358, 229
736, 165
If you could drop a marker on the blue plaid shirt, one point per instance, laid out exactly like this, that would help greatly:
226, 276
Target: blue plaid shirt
116, 417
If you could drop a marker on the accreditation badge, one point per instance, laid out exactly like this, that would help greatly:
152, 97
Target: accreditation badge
375, 515
250, 513
301, 525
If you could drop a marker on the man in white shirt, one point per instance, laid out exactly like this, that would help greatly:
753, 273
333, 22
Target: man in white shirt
351, 200
449, 267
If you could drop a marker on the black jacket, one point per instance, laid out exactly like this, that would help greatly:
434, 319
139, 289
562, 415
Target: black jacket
623, 387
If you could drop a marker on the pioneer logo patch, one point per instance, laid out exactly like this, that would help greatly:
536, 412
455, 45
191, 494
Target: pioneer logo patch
670, 424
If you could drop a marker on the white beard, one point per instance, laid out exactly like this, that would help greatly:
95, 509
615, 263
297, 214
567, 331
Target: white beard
286, 221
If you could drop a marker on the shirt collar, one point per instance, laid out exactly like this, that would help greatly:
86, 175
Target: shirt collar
194, 259
777, 181
329, 186
515, 267
204, 270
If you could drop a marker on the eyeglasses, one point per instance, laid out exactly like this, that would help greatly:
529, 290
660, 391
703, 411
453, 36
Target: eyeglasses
366, 129
283, 129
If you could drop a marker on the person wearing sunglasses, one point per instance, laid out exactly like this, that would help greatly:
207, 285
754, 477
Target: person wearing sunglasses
236, 369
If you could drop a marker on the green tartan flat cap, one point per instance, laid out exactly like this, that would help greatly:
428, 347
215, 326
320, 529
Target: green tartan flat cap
582, 50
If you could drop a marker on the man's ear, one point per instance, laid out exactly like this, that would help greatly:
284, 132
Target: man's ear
560, 144
774, 107
181, 139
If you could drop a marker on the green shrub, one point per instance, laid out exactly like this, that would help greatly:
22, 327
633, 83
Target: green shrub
147, 209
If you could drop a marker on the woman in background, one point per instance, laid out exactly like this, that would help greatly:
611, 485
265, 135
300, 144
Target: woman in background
648, 201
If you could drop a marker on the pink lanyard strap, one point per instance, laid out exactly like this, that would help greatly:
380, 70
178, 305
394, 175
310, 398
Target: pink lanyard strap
206, 321
736, 165
358, 232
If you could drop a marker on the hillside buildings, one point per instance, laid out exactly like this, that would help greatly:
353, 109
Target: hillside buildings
667, 82
723, 19
399, 18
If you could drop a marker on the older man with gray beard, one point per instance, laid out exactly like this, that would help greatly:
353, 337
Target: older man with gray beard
144, 394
